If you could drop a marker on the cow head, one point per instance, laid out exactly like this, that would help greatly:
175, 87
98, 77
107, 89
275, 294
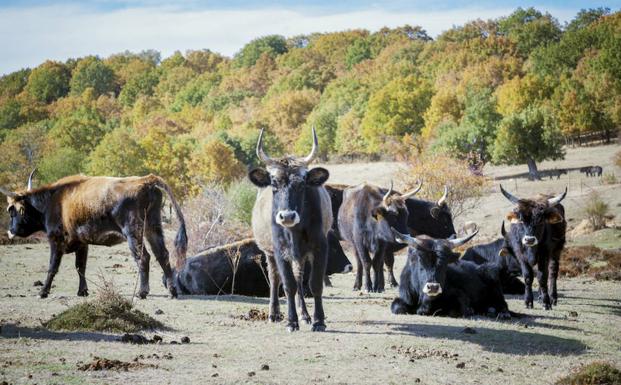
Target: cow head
507, 257
442, 213
289, 178
25, 218
392, 212
430, 258
529, 218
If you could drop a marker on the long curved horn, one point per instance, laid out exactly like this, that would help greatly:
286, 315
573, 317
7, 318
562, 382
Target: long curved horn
314, 150
502, 229
509, 196
406, 238
557, 199
413, 192
8, 193
30, 179
460, 241
385, 198
260, 153
443, 199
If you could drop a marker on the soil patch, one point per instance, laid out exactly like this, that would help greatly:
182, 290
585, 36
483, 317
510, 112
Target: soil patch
592, 261
100, 363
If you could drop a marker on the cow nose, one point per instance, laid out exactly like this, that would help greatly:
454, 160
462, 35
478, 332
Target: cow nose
529, 241
432, 289
287, 218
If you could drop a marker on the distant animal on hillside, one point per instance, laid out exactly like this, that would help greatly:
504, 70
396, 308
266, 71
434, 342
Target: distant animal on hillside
557, 173
592, 170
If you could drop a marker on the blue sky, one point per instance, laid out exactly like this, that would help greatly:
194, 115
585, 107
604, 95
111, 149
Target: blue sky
33, 31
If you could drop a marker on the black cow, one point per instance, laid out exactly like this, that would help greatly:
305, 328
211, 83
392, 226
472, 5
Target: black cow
537, 237
592, 170
291, 219
365, 218
499, 253
435, 282
557, 173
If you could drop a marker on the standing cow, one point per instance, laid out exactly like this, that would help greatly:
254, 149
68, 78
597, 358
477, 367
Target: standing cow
537, 237
365, 218
77, 211
290, 221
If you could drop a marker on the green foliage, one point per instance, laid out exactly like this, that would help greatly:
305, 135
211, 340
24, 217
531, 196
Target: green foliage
60, 162
118, 154
529, 28
14, 83
10, 114
272, 45
48, 82
141, 84
595, 373
241, 195
91, 72
357, 52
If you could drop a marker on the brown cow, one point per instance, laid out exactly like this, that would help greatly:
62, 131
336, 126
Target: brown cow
77, 211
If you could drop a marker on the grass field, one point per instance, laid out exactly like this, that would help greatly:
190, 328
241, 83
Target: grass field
364, 342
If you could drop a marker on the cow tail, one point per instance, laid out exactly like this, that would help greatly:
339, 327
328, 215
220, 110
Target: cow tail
181, 240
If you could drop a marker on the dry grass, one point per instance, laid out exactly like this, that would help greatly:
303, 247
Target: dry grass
609, 178
595, 373
109, 312
591, 261
596, 211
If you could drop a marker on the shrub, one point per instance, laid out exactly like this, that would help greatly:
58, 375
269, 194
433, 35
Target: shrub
242, 195
609, 178
596, 211
617, 158
438, 170
595, 373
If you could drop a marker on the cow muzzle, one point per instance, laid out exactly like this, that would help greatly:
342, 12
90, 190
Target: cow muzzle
529, 241
348, 269
10, 234
432, 289
287, 218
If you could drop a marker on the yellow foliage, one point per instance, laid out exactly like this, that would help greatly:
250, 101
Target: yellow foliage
213, 162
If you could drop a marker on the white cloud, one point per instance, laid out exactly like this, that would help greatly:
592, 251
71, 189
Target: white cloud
29, 36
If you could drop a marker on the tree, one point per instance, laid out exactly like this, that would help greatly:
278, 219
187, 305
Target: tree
529, 136
91, 72
272, 45
360, 50
214, 162
12, 84
528, 29
118, 154
48, 82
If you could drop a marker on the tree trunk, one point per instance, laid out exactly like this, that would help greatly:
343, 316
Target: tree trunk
533, 173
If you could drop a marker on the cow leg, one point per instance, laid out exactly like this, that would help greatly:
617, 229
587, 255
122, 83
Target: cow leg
141, 256
326, 281
274, 278
542, 277
155, 237
527, 273
389, 261
553, 275
378, 269
300, 300
80, 265
56, 254
363, 255
318, 271
359, 270
290, 285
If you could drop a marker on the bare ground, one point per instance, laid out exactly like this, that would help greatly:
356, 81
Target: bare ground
364, 343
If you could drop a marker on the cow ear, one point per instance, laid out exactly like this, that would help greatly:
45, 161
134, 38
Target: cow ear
378, 213
554, 217
260, 177
317, 176
435, 211
513, 217
454, 257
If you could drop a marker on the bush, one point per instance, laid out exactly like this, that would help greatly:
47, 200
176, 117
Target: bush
617, 158
242, 195
609, 178
595, 373
438, 170
596, 211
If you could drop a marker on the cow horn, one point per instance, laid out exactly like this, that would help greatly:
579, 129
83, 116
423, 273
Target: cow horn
460, 241
557, 199
260, 153
385, 198
443, 199
509, 196
30, 179
413, 192
314, 150
8, 193
406, 238
502, 229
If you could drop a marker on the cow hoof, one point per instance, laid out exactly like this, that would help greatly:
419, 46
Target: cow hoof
307, 319
83, 293
554, 301
319, 327
173, 292
394, 284
292, 327
143, 294
43, 294
504, 315
275, 317
529, 305
547, 306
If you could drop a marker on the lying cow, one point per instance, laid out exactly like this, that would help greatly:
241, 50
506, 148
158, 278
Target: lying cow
435, 282
537, 237
77, 211
499, 253
236, 268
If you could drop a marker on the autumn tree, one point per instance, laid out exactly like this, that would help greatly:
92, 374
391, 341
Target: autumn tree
48, 82
93, 73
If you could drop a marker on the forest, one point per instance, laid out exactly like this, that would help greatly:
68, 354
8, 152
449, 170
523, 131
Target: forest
512, 90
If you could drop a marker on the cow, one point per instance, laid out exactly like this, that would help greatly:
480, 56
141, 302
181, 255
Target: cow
365, 218
435, 282
537, 237
557, 173
78, 211
595, 171
291, 219
498, 252
236, 268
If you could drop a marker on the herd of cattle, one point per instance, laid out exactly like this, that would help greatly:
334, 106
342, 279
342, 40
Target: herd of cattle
298, 222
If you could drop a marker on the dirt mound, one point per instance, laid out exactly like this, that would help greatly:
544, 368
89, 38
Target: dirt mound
100, 363
591, 261
109, 312
414, 354
595, 373
254, 315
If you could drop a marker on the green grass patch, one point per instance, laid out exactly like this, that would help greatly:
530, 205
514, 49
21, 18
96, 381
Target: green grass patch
595, 373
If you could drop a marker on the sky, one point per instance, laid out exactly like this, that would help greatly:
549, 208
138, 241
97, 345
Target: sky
32, 31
